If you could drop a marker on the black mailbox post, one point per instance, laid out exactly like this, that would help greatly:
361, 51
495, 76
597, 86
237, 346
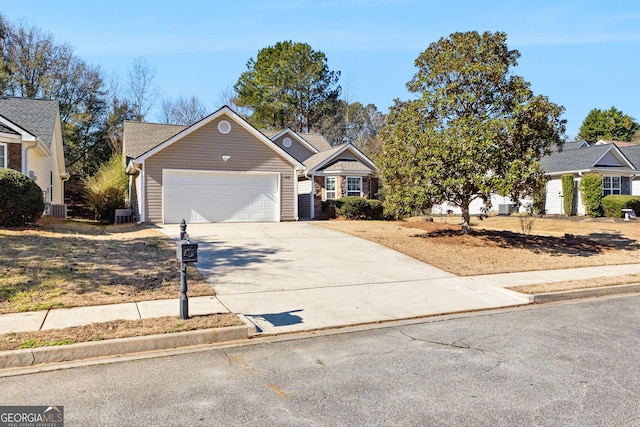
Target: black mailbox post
187, 253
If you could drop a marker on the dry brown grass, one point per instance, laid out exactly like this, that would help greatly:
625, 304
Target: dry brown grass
497, 244
72, 263
69, 264
596, 282
114, 329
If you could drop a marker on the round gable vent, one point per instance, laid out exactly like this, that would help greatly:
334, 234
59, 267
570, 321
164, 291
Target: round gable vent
224, 126
286, 142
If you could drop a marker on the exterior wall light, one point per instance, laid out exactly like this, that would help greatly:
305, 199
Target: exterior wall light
225, 157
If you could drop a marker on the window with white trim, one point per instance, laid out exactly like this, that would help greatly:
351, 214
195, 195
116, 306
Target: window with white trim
3, 155
611, 185
330, 188
354, 186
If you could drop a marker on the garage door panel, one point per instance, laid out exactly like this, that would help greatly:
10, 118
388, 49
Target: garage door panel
214, 197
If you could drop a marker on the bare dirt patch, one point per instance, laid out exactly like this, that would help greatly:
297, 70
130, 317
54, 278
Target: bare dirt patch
114, 329
497, 245
68, 264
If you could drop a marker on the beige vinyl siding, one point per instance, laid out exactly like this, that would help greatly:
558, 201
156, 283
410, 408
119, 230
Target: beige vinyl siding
203, 150
135, 188
43, 166
297, 150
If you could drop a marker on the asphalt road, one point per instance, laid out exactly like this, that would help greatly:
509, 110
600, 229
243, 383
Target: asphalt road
571, 364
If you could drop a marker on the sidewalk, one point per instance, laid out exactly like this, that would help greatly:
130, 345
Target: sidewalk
67, 317
324, 307
371, 303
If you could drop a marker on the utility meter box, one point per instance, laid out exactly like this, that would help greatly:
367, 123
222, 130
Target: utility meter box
187, 251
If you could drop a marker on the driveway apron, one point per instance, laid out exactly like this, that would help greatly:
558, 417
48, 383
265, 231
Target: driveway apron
295, 276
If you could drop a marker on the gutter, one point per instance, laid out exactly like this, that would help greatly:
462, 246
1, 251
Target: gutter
132, 169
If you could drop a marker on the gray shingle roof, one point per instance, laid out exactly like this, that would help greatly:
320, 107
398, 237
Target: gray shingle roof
316, 140
36, 116
574, 145
320, 157
633, 154
140, 137
337, 164
5, 129
573, 159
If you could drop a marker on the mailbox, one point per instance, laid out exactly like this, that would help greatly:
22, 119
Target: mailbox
187, 251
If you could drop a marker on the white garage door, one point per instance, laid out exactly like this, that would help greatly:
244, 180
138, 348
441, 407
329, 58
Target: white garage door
204, 196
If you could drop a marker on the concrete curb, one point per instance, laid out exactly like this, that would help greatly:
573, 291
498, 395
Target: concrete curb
120, 346
586, 293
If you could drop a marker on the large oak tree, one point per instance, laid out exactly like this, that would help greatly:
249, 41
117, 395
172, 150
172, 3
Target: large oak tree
288, 85
473, 129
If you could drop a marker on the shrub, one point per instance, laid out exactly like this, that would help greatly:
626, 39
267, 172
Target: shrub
568, 189
21, 199
613, 204
353, 207
526, 220
328, 208
377, 210
107, 190
539, 200
591, 192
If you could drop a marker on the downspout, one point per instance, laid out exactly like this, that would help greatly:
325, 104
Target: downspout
65, 177
296, 214
25, 156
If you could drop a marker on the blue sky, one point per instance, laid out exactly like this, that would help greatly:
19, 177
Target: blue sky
582, 54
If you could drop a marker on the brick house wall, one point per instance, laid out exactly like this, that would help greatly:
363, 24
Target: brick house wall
14, 160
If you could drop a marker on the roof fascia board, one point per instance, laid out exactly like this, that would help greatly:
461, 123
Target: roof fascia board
26, 135
345, 172
211, 117
625, 171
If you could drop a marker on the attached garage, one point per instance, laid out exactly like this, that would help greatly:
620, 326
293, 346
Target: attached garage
220, 169
219, 196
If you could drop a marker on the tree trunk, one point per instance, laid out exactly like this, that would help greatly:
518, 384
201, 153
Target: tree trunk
466, 218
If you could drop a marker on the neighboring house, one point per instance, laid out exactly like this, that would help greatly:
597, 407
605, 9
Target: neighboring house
222, 169
618, 164
578, 158
31, 143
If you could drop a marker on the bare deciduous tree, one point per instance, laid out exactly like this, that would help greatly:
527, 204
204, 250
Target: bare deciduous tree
182, 111
229, 97
142, 89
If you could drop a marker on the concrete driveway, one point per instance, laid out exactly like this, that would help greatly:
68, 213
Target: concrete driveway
296, 276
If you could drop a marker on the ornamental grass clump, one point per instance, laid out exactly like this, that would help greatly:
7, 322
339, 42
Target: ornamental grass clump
107, 190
